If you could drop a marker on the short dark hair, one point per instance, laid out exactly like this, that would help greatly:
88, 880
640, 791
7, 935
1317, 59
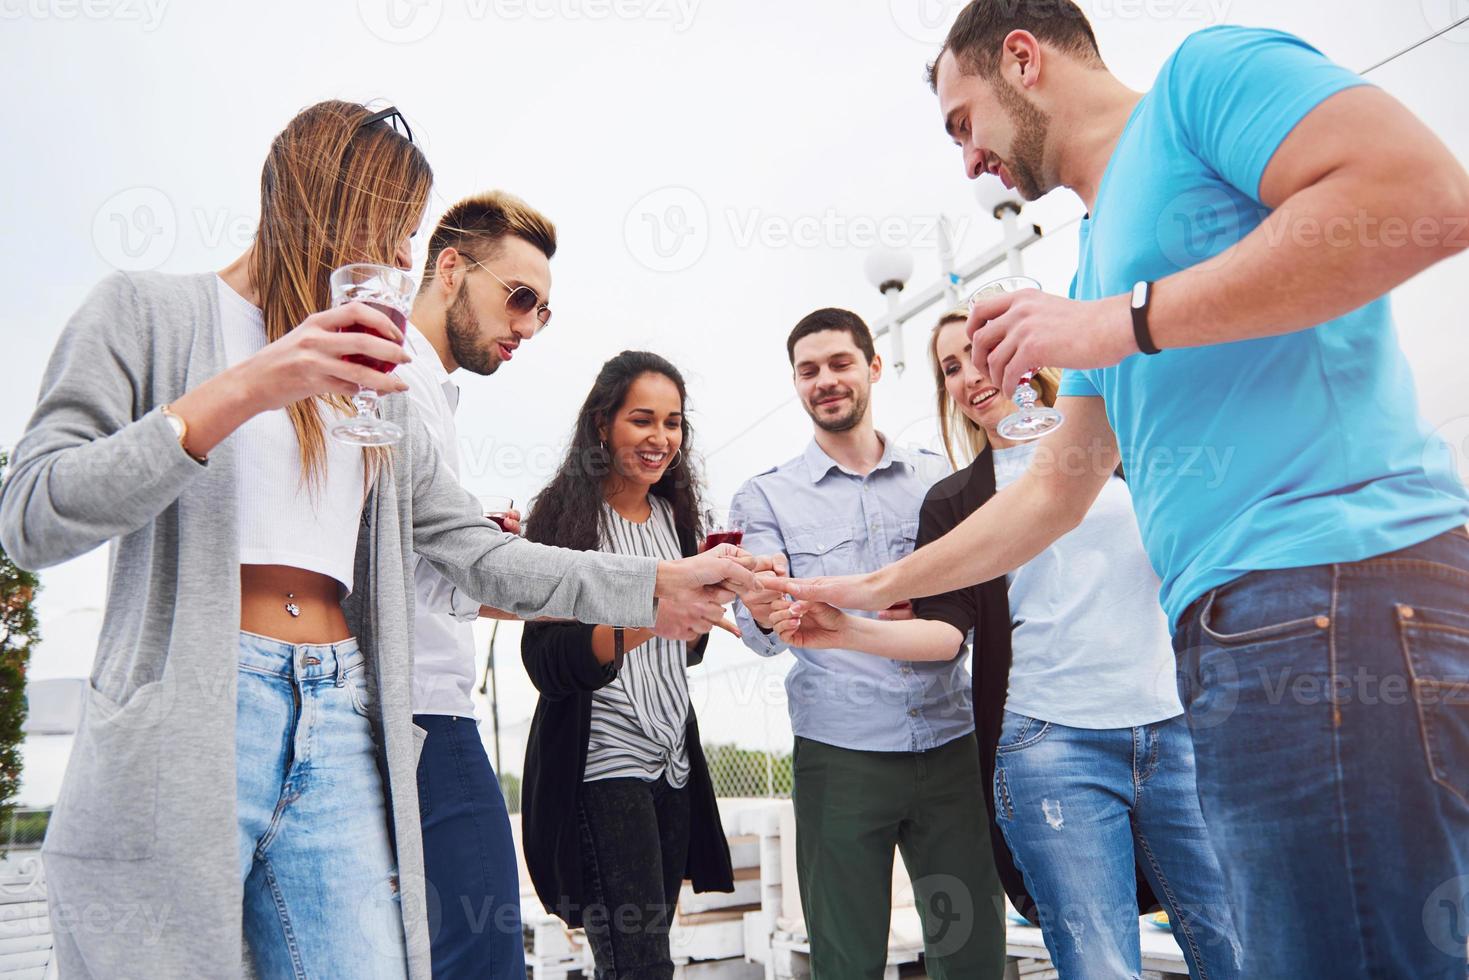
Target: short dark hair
832, 318
981, 28
483, 221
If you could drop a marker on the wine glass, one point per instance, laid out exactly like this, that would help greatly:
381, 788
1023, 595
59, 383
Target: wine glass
390, 291
496, 508
1030, 421
720, 527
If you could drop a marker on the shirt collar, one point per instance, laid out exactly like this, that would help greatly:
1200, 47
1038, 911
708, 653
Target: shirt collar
818, 463
424, 355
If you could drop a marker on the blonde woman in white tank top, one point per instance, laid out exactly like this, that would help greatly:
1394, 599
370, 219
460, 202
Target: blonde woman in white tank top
184, 419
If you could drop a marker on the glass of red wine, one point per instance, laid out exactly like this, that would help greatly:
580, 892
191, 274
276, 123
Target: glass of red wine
722, 528
1030, 421
389, 291
496, 509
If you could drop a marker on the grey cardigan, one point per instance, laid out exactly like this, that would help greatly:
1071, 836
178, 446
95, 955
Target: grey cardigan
142, 854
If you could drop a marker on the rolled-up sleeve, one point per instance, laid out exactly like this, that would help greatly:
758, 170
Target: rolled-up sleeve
762, 537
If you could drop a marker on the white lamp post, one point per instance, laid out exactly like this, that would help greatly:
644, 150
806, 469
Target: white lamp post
889, 270
1004, 205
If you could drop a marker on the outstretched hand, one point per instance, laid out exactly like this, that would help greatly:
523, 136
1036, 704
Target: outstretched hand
842, 591
814, 625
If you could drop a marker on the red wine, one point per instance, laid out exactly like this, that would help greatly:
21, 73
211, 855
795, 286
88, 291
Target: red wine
497, 519
716, 538
400, 320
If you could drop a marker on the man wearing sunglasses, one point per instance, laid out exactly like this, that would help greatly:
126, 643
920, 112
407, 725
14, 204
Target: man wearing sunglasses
484, 292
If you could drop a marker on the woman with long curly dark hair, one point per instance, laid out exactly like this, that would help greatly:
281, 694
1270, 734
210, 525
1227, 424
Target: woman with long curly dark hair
618, 804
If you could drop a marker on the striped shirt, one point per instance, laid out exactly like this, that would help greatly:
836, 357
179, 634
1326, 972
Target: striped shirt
639, 720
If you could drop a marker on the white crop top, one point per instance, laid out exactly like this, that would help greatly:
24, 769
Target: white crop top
282, 520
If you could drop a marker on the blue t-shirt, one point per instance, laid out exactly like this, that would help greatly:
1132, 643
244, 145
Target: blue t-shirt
1280, 452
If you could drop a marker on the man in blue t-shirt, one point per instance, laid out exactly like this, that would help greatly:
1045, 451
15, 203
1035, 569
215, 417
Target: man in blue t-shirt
1247, 216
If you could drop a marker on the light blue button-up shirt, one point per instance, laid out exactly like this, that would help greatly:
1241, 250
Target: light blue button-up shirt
830, 521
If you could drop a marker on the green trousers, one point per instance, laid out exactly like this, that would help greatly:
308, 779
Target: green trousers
852, 809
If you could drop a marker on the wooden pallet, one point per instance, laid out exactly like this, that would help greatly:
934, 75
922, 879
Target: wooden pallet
25, 925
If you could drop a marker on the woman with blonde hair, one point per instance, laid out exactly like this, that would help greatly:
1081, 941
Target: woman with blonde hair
1088, 760
243, 776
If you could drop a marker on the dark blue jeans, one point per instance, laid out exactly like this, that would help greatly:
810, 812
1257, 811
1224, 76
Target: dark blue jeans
1329, 708
468, 856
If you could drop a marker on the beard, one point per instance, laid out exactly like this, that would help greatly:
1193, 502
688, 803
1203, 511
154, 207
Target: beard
469, 350
1028, 154
844, 422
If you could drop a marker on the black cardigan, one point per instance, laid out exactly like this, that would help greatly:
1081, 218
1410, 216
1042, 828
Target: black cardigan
558, 657
986, 608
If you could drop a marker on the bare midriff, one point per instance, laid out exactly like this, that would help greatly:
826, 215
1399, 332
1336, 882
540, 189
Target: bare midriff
268, 593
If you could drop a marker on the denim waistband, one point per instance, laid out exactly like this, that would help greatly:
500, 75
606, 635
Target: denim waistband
305, 661
1449, 549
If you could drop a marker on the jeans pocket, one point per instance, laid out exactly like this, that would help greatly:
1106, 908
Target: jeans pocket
108, 804
1436, 652
1251, 617
354, 678
1019, 732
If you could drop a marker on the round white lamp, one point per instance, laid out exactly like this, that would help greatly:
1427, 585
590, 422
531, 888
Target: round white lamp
994, 197
888, 268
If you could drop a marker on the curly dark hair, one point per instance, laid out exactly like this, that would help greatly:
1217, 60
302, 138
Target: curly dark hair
568, 512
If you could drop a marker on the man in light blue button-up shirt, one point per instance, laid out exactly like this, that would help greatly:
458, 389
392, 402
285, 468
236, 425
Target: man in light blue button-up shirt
830, 520
885, 752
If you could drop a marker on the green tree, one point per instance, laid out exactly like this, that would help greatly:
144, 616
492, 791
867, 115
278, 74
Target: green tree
18, 634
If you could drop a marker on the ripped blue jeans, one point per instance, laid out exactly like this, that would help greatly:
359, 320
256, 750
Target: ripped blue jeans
320, 890
1081, 809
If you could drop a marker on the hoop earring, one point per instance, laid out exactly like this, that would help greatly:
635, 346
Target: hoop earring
677, 458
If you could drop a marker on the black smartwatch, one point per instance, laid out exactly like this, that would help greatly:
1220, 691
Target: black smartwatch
1142, 298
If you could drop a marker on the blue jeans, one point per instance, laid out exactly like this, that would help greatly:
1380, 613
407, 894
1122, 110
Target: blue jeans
468, 856
1329, 708
1081, 810
317, 866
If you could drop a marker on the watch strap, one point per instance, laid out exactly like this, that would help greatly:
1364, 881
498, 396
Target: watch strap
619, 647
1140, 306
181, 429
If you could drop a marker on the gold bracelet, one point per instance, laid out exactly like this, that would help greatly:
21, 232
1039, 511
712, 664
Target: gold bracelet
181, 428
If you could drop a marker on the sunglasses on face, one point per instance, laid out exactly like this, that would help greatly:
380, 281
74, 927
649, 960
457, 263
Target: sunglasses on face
521, 299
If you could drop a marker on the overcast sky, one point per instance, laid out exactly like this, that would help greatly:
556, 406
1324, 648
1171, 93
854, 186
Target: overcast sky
716, 170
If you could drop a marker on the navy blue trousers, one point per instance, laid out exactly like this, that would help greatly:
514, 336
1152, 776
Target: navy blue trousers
468, 856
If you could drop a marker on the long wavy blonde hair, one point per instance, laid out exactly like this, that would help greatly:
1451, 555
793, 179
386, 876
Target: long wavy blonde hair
332, 191
963, 440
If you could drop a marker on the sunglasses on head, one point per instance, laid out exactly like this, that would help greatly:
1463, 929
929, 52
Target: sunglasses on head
522, 299
393, 117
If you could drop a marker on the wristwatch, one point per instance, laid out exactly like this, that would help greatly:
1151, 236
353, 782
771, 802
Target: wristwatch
181, 430
1142, 298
